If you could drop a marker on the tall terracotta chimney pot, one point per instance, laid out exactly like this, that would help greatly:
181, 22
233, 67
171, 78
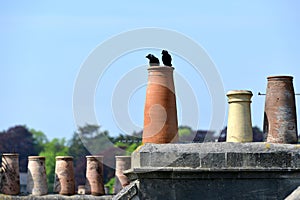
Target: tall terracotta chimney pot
64, 182
280, 120
122, 163
11, 175
160, 113
94, 175
36, 176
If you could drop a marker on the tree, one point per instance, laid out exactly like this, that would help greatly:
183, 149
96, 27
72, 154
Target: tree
257, 134
78, 151
56, 147
89, 139
18, 140
184, 131
131, 148
223, 135
185, 134
89, 131
76, 147
40, 139
110, 184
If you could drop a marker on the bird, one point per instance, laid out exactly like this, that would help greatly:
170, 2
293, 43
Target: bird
166, 58
153, 61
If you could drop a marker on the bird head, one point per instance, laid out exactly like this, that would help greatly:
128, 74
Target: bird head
164, 52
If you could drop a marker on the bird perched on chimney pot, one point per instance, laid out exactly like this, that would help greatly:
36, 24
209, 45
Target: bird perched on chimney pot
166, 58
153, 61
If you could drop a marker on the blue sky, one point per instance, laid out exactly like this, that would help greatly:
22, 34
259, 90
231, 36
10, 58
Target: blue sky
45, 43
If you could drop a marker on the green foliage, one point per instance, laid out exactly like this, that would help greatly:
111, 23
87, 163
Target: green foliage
127, 145
121, 145
78, 151
40, 139
94, 139
110, 184
89, 131
76, 147
184, 131
56, 147
131, 148
128, 139
186, 134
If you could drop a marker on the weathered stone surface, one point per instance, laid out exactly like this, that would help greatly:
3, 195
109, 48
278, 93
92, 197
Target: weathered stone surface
56, 197
212, 160
211, 147
214, 188
232, 184
186, 160
128, 192
280, 121
296, 160
218, 156
295, 195
242, 159
216, 171
162, 188
158, 159
275, 159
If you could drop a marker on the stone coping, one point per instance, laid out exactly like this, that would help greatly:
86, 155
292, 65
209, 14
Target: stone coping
212, 175
220, 147
217, 156
188, 169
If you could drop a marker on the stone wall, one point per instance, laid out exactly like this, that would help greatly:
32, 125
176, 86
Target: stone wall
216, 171
55, 196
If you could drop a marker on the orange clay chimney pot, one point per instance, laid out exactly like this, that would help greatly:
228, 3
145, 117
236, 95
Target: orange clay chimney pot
160, 114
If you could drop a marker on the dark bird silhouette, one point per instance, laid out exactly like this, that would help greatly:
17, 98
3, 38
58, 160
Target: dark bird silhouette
166, 58
153, 61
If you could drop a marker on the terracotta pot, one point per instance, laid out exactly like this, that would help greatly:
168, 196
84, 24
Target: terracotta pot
160, 113
64, 182
81, 189
10, 177
280, 121
94, 175
239, 126
36, 176
122, 163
